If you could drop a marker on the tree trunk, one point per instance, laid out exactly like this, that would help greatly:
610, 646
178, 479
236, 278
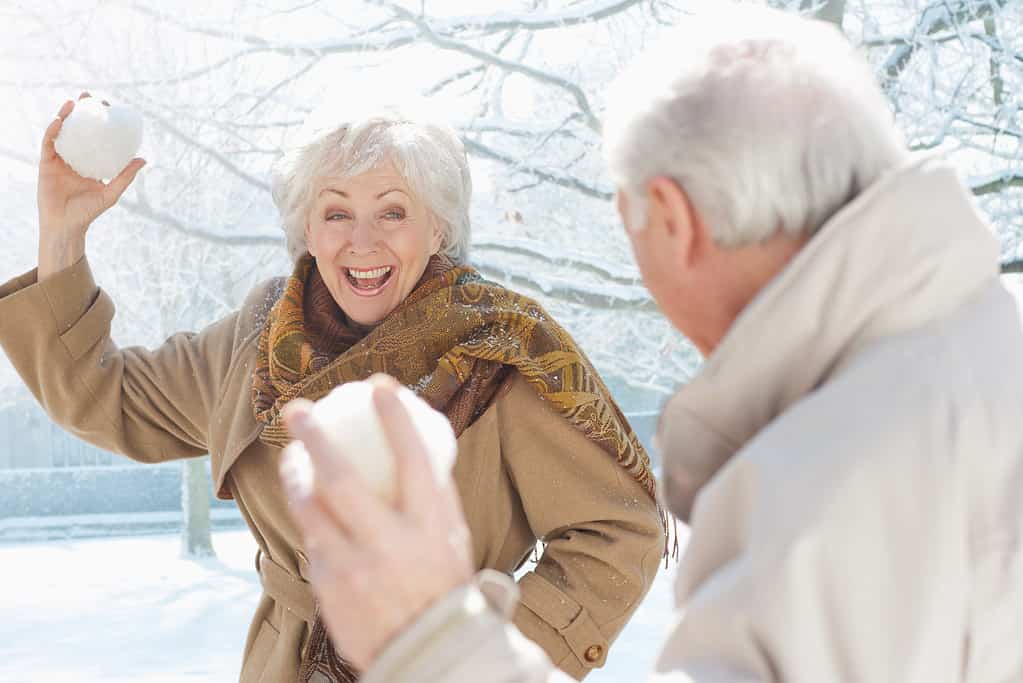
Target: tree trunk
195, 503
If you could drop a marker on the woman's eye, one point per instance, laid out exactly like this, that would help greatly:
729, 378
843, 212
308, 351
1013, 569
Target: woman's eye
395, 215
337, 216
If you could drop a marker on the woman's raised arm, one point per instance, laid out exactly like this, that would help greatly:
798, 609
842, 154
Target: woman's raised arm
69, 203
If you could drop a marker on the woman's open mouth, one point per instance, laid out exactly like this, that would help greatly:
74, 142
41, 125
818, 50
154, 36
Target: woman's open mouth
368, 281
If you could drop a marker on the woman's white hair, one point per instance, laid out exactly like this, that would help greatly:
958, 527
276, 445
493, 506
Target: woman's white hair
769, 122
428, 154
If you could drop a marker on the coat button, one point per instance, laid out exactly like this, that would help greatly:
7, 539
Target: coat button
593, 653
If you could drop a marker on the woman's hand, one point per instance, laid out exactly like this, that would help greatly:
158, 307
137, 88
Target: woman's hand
69, 203
375, 568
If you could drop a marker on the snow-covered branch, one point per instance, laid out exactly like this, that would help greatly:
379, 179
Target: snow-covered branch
996, 182
206, 149
541, 21
142, 208
562, 180
539, 75
594, 297
579, 261
939, 16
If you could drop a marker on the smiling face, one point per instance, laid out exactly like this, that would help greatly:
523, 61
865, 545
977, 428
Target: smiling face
372, 239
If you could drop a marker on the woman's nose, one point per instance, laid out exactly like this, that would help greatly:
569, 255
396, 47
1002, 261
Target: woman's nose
364, 238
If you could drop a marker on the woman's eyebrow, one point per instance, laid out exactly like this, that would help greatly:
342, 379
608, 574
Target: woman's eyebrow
379, 196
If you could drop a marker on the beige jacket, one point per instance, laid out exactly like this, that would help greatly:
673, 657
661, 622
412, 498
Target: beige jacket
855, 448
523, 472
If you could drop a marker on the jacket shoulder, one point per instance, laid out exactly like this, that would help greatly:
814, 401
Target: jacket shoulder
256, 308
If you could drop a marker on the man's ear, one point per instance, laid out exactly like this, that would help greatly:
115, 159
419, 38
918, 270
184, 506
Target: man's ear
672, 212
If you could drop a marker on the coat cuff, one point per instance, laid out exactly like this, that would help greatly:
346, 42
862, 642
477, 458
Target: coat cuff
68, 293
470, 621
564, 628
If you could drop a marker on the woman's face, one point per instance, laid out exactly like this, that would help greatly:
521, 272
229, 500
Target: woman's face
372, 240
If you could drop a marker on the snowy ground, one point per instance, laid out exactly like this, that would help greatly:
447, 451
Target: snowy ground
130, 609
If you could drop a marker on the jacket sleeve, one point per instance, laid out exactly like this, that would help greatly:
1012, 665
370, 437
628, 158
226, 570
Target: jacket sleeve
466, 638
601, 529
148, 405
830, 548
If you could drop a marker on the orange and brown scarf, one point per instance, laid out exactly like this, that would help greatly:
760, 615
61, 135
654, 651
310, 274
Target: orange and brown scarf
453, 340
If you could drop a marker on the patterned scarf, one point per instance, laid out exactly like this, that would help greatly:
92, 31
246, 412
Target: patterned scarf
453, 340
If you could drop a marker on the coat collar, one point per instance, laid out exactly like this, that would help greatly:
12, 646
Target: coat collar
909, 249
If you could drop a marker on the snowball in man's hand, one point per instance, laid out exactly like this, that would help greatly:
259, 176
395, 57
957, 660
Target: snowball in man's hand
349, 419
97, 140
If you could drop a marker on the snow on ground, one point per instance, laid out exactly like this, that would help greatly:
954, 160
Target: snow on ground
120, 610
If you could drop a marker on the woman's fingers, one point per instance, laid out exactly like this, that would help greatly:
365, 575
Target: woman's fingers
49, 151
65, 109
116, 187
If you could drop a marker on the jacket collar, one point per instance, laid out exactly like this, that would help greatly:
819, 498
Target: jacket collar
908, 250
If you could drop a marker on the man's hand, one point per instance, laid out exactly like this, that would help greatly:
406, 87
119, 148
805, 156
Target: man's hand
374, 567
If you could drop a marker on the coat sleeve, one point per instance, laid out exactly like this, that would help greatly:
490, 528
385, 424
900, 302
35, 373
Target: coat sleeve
151, 406
601, 529
466, 637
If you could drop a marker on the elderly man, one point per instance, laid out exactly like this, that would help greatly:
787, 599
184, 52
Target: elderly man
850, 457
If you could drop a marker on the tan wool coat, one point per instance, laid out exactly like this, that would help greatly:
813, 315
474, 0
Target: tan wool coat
856, 444
523, 472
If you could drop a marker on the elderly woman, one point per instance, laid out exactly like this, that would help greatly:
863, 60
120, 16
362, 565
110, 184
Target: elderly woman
376, 217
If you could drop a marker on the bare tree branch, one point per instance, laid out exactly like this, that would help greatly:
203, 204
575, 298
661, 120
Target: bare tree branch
577, 263
995, 45
568, 291
142, 208
581, 100
994, 69
206, 149
481, 25
465, 73
588, 14
937, 17
989, 128
453, 78
998, 183
569, 182
369, 37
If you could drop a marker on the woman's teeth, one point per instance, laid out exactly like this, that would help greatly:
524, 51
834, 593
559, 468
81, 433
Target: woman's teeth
369, 274
374, 278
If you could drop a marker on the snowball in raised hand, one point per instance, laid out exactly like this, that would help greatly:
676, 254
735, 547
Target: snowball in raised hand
98, 140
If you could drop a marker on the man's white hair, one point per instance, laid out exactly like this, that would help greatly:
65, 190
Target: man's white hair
769, 122
428, 154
